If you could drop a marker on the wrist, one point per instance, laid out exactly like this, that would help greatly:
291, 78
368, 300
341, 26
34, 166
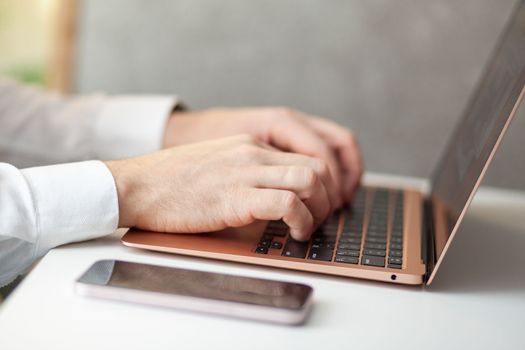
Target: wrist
177, 129
124, 189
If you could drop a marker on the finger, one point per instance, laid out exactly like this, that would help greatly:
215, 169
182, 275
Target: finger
237, 140
348, 150
270, 204
302, 180
319, 166
292, 135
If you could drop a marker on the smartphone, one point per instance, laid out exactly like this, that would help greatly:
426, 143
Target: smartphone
244, 297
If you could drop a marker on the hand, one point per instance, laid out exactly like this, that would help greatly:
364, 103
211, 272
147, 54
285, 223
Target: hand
283, 128
229, 182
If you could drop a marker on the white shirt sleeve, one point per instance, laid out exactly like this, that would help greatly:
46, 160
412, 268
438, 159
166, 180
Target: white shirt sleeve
46, 206
43, 128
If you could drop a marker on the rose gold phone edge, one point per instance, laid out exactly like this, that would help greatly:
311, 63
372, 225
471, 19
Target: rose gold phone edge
199, 305
203, 305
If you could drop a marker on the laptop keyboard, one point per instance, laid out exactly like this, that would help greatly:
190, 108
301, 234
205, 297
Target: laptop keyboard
375, 239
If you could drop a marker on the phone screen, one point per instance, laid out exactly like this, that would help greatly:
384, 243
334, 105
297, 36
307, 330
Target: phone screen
197, 284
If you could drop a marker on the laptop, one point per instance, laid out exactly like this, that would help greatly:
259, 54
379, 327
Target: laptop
388, 233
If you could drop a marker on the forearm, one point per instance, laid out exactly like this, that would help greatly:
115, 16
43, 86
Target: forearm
40, 128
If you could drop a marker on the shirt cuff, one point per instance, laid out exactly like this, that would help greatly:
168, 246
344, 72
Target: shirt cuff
72, 202
129, 126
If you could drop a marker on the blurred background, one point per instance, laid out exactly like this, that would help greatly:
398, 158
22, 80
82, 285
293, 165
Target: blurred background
398, 72
26, 35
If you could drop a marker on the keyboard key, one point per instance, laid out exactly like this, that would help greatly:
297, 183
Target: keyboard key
265, 242
349, 246
354, 219
352, 240
397, 261
324, 239
261, 250
276, 245
353, 223
329, 229
376, 240
397, 228
348, 252
278, 223
276, 232
295, 249
376, 234
396, 233
323, 245
378, 223
375, 252
277, 228
346, 259
394, 266
325, 232
396, 246
321, 254
396, 253
373, 261
352, 234
397, 240
375, 246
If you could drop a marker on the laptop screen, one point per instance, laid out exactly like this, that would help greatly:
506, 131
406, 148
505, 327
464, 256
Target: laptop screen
484, 121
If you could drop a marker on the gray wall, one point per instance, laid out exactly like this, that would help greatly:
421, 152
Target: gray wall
398, 72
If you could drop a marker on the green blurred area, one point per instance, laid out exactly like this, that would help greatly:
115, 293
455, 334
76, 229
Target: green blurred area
27, 74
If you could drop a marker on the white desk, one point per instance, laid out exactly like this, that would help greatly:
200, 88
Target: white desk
477, 301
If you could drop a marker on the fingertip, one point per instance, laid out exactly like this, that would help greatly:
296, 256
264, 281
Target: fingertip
352, 182
299, 235
348, 191
353, 186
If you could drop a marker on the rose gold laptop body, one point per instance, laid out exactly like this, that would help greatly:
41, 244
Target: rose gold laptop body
431, 220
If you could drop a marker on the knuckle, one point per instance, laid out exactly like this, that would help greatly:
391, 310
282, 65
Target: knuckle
284, 112
303, 177
321, 167
350, 137
310, 177
245, 155
290, 201
247, 139
248, 151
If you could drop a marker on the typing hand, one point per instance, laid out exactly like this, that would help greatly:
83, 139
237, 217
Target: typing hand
283, 128
228, 182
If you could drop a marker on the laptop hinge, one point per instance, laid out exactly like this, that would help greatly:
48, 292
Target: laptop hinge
428, 251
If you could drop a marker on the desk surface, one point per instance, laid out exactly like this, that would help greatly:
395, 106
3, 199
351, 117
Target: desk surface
478, 299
